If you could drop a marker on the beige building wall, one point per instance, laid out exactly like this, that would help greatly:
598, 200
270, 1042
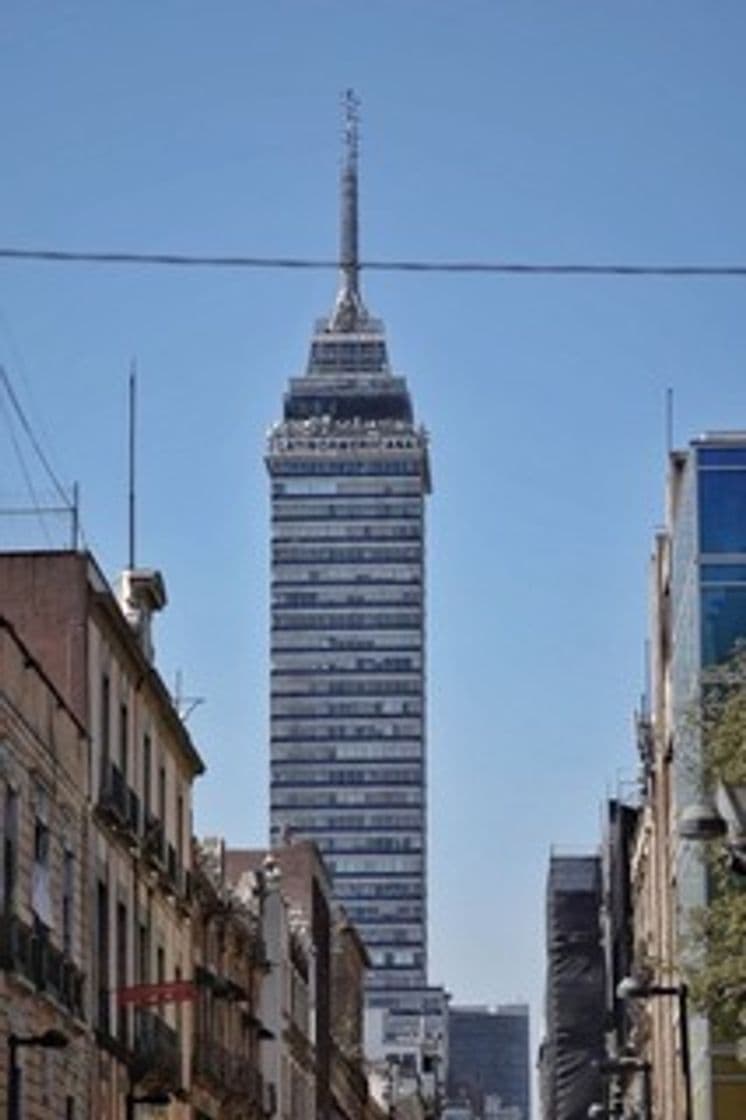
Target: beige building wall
44, 918
142, 766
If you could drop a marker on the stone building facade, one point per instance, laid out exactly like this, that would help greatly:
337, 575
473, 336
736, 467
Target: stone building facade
97, 650
44, 928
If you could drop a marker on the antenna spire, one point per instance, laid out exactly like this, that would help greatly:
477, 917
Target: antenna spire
131, 425
349, 310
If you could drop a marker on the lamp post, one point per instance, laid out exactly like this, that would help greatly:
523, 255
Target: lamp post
50, 1040
630, 988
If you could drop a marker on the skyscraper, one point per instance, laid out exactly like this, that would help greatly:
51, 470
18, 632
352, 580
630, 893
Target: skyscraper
575, 989
488, 1060
698, 620
349, 474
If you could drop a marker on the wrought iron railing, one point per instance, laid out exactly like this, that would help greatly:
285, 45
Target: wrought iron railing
31, 954
118, 801
156, 1054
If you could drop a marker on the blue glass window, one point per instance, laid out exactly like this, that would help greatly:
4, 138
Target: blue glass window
723, 456
724, 573
722, 506
723, 621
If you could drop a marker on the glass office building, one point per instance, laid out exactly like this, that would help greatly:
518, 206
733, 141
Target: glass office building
349, 475
708, 580
489, 1062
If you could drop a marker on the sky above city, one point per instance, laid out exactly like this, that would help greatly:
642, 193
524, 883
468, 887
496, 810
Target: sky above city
571, 132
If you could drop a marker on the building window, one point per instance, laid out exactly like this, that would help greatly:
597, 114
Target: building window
10, 850
123, 740
162, 794
102, 955
147, 751
121, 969
143, 953
68, 901
41, 898
105, 717
180, 830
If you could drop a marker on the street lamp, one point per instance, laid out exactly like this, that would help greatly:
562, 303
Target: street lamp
50, 1040
630, 988
703, 821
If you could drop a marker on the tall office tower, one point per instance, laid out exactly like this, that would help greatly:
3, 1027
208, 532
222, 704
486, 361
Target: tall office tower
575, 992
488, 1061
349, 473
698, 618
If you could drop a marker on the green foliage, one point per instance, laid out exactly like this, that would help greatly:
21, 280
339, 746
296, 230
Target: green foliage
723, 721
717, 970
717, 945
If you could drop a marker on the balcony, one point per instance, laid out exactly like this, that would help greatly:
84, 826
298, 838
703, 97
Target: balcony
227, 1071
154, 841
172, 869
118, 803
156, 1055
33, 957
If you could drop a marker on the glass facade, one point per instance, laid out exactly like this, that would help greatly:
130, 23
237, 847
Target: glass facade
349, 474
489, 1058
708, 596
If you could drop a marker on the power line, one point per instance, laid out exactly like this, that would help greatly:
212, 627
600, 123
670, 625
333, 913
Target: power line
26, 425
512, 268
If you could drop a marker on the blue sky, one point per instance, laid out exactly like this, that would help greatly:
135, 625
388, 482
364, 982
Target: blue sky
572, 131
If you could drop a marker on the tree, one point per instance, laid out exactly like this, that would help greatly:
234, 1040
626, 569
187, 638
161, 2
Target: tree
716, 967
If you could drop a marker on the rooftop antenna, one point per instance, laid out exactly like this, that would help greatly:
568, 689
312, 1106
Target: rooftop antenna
132, 418
184, 705
349, 309
669, 420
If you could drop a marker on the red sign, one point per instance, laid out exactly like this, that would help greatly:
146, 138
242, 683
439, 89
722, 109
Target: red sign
149, 995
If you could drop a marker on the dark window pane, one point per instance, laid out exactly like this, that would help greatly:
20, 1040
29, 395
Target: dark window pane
724, 573
722, 505
723, 456
723, 621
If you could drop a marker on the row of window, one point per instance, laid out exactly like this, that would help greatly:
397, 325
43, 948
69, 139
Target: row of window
393, 936
374, 865
325, 709
297, 688
388, 640
344, 799
411, 889
318, 533
339, 554
346, 620
283, 775
352, 752
392, 958
348, 508
349, 821
301, 665
331, 576
305, 733
366, 844
281, 467
383, 913
356, 596
313, 489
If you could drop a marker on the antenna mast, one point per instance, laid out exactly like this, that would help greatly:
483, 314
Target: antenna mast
349, 312
132, 391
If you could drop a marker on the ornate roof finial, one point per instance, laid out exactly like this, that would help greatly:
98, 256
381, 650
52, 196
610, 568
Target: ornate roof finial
349, 311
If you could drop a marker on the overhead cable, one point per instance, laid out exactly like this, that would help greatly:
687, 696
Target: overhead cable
512, 268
